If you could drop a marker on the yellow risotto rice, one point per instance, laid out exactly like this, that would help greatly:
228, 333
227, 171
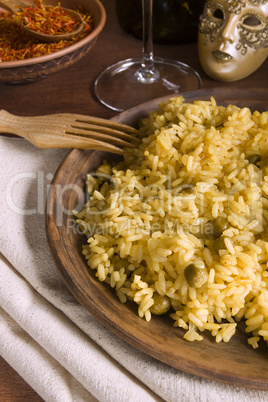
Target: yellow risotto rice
180, 225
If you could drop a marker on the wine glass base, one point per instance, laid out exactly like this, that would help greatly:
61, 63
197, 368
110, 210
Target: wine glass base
119, 88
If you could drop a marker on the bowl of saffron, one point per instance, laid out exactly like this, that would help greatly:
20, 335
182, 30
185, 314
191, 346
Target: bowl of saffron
25, 59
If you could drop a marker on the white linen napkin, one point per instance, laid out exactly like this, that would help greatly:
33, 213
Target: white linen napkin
45, 335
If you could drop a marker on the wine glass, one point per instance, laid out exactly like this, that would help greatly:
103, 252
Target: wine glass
142, 79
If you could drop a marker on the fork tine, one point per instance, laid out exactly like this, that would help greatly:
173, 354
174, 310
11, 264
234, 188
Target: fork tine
76, 141
98, 121
92, 129
104, 146
123, 142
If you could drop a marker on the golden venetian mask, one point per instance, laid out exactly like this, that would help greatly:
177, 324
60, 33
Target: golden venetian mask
233, 38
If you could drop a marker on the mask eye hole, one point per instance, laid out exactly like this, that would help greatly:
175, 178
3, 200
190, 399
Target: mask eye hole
252, 21
217, 13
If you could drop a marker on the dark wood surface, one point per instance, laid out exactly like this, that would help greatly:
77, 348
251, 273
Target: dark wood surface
13, 388
73, 91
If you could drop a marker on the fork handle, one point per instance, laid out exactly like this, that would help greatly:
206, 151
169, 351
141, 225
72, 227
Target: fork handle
11, 124
36, 130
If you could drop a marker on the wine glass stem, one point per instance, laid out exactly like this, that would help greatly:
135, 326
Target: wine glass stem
147, 73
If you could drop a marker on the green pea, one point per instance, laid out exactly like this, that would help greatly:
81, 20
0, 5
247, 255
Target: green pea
254, 159
161, 304
195, 276
218, 226
219, 243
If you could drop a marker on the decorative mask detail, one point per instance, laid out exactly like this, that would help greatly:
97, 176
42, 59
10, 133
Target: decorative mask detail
208, 25
235, 6
258, 2
233, 37
252, 38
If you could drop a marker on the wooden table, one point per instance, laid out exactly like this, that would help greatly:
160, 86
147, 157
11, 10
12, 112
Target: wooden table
73, 91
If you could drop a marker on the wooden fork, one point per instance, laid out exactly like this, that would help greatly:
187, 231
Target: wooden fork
67, 130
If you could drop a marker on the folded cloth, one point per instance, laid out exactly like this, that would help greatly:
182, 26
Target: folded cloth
63, 352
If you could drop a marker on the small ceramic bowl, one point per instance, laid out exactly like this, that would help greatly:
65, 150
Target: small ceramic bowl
23, 71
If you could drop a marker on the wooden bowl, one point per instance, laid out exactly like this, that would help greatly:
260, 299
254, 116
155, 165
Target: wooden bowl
234, 363
23, 71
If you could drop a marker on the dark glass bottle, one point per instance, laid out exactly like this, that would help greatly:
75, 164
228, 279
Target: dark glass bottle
174, 21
